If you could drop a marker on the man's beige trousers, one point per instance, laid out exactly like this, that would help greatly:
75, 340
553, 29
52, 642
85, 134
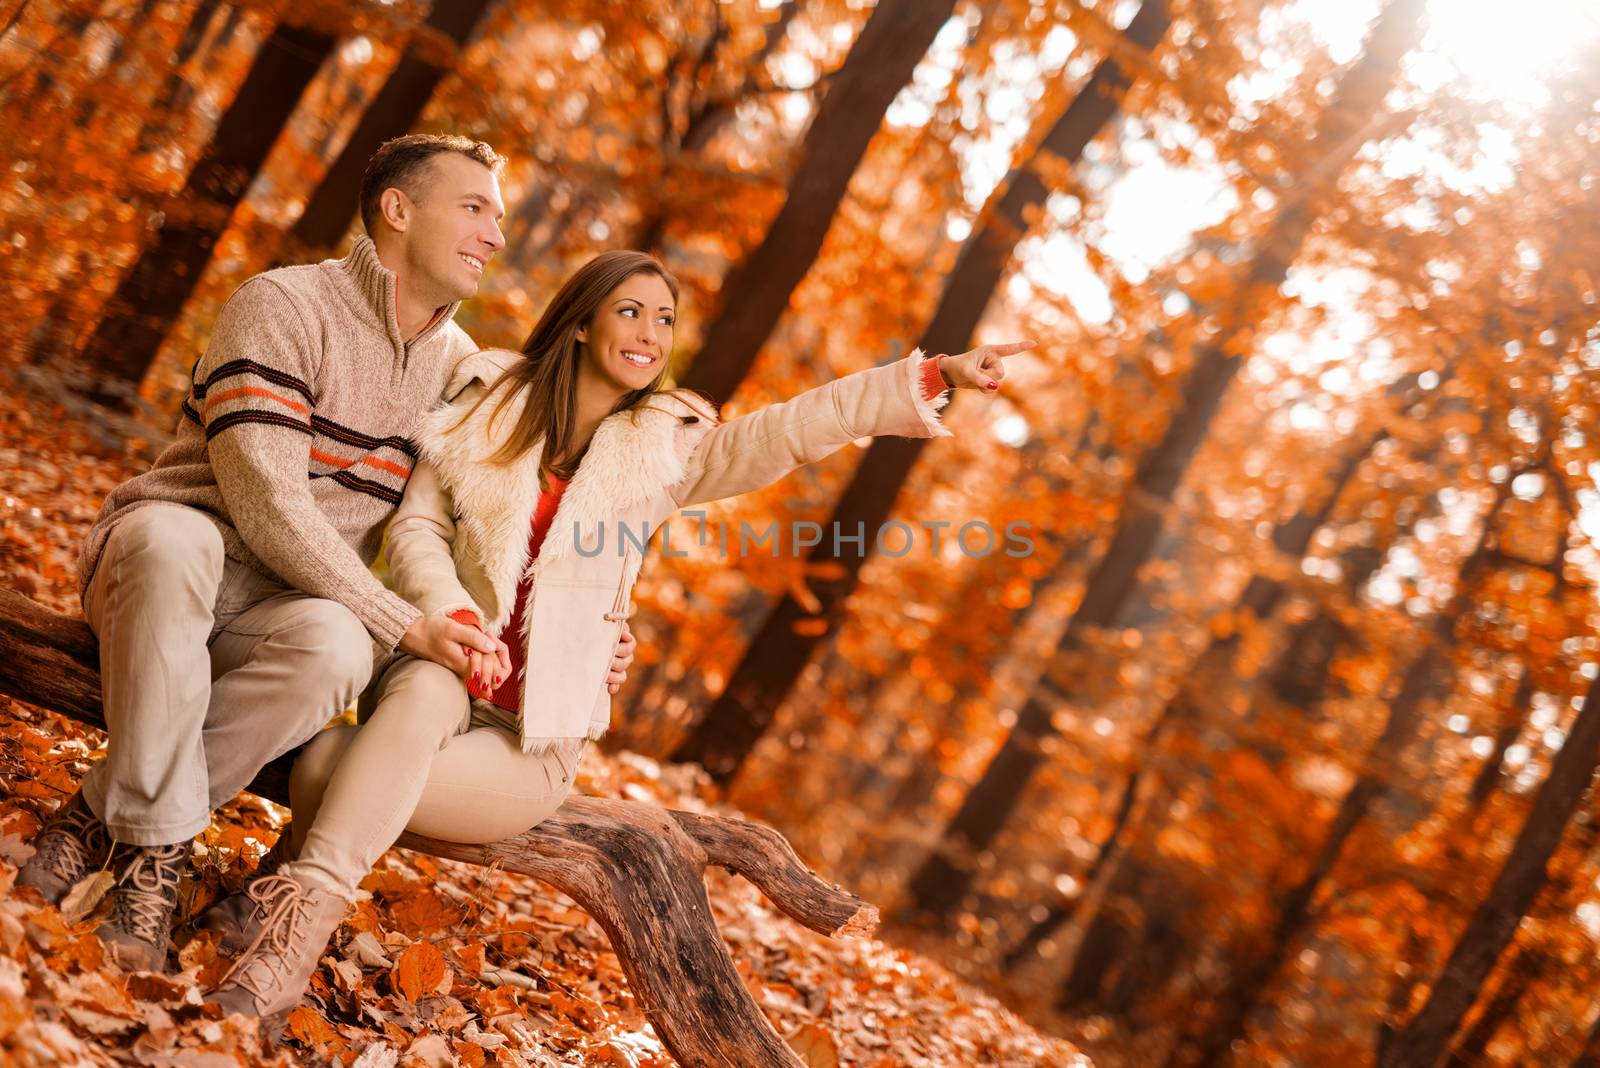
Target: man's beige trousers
209, 669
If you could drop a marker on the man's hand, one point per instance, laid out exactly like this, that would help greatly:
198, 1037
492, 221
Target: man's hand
446, 642
621, 659
983, 368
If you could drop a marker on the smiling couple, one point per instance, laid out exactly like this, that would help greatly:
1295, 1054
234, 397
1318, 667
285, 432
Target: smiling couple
230, 585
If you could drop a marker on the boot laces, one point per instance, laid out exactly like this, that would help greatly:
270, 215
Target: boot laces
288, 920
147, 891
68, 845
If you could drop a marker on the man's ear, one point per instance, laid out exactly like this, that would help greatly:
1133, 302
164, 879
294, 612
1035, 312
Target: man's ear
396, 209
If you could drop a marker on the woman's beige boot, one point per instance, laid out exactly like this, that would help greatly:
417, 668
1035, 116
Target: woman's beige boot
238, 917
269, 978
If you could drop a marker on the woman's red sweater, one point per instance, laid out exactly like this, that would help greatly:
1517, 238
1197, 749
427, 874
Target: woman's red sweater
508, 695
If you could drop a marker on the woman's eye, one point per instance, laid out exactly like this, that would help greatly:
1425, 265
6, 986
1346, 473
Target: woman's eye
473, 208
667, 320
631, 313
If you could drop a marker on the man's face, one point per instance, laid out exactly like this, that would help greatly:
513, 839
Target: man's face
455, 227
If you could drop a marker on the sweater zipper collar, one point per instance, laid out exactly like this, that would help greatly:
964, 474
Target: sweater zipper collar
381, 289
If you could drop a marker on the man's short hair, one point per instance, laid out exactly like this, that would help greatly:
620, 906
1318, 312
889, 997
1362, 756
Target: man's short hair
401, 163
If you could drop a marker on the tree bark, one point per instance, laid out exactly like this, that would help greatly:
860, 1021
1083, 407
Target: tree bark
778, 654
151, 296
943, 881
393, 112
895, 38
1425, 1039
637, 868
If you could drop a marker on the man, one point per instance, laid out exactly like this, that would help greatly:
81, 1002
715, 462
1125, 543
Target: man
229, 585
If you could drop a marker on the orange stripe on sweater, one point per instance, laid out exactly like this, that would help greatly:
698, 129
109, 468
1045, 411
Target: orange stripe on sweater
254, 391
324, 458
371, 461
385, 465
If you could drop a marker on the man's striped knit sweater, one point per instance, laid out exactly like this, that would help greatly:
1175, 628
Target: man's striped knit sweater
294, 438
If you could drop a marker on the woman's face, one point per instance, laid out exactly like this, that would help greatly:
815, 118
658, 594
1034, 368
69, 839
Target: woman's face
631, 334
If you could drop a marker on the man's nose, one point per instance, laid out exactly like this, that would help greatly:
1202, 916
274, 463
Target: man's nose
493, 236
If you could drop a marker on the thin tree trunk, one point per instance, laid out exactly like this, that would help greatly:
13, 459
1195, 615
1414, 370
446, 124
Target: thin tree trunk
706, 114
778, 654
174, 95
1423, 1041
895, 38
151, 296
1521, 972
1260, 598
136, 20
1111, 588
1489, 775
1380, 767
393, 112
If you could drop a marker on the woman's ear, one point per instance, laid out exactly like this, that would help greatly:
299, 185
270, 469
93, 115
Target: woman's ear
582, 334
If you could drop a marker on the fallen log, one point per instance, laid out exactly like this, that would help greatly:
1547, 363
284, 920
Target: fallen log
637, 868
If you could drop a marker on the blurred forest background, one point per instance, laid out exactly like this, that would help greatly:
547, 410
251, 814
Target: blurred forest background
1278, 748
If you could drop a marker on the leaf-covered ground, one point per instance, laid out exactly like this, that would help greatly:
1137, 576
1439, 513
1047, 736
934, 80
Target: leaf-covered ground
440, 963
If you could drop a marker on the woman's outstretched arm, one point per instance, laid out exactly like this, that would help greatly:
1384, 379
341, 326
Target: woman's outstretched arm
898, 399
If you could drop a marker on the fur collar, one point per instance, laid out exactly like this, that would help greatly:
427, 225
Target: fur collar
632, 459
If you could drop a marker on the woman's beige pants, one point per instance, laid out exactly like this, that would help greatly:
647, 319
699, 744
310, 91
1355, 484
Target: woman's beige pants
425, 760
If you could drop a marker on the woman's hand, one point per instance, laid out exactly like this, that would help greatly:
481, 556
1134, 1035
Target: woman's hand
621, 659
486, 671
485, 661
983, 368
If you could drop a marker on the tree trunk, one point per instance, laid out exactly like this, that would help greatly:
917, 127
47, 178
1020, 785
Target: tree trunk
178, 92
137, 20
778, 654
706, 114
1380, 767
895, 38
1489, 775
637, 868
1260, 598
1523, 969
1425, 1039
943, 881
393, 112
151, 296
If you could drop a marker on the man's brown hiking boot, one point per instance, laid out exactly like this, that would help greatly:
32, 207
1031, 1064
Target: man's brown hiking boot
70, 846
143, 900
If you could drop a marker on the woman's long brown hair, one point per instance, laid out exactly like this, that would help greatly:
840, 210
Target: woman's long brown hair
549, 376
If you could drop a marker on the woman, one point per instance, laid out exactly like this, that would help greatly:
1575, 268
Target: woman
536, 458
